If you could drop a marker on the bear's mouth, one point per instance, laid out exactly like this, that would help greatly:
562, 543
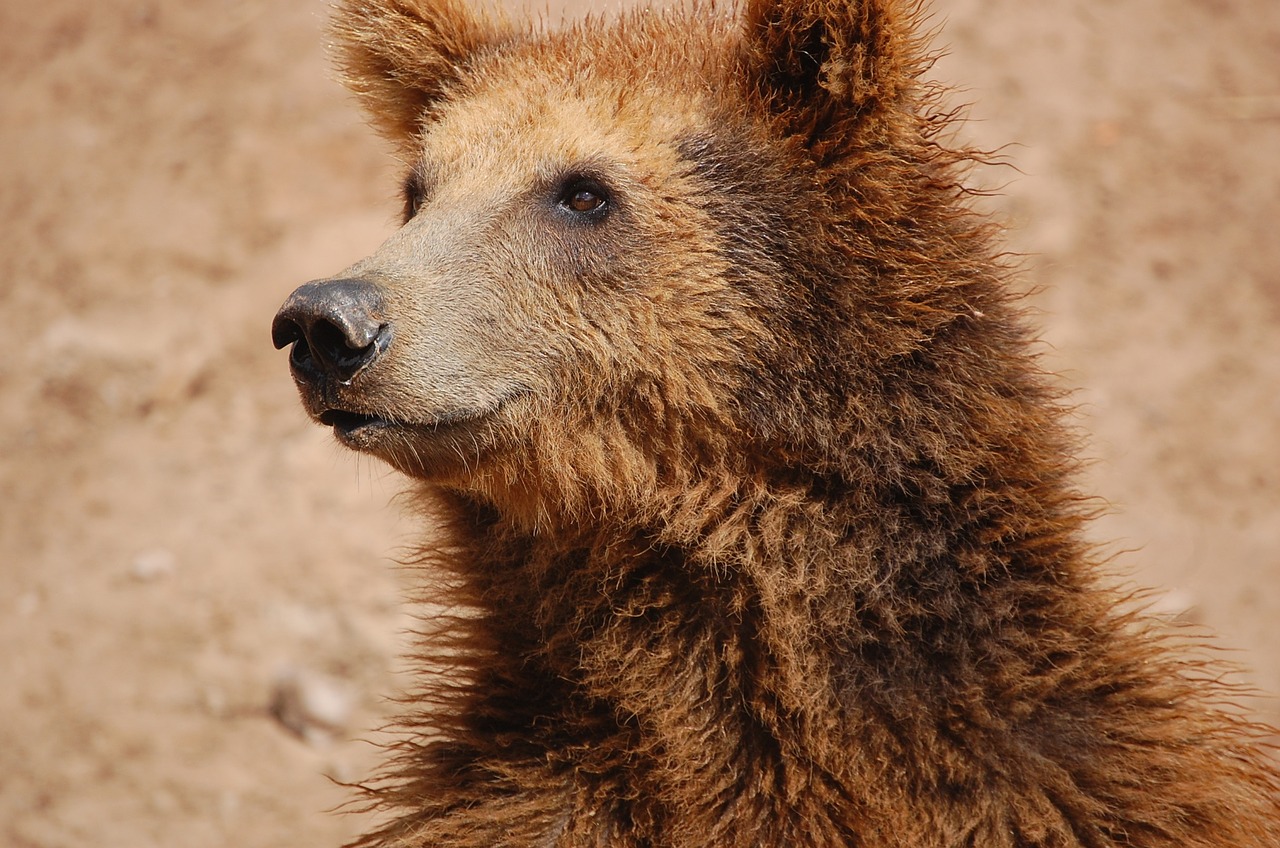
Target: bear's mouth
364, 431
345, 424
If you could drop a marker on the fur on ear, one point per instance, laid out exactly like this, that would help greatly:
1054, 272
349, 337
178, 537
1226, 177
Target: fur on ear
401, 56
824, 66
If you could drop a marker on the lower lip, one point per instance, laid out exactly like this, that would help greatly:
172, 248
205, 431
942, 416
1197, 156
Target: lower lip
346, 426
360, 431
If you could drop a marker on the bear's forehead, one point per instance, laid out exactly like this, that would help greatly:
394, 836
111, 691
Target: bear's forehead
515, 115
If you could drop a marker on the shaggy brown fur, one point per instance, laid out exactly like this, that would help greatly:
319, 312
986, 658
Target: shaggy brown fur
758, 512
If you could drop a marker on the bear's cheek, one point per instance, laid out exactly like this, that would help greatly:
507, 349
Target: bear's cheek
456, 358
516, 320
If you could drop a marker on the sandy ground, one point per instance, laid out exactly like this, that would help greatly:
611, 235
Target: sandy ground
176, 539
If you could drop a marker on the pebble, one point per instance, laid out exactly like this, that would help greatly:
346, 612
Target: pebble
314, 706
153, 564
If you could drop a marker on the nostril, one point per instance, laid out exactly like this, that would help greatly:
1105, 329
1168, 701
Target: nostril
336, 347
300, 356
285, 331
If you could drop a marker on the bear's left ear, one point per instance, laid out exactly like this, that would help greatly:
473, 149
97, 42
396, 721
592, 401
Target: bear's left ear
401, 56
823, 66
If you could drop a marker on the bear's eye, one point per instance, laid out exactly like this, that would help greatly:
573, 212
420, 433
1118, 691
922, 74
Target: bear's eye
585, 200
415, 192
584, 196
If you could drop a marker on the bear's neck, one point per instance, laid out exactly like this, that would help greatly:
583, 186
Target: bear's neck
796, 608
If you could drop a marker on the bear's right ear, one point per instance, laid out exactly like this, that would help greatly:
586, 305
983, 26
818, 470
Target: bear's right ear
401, 56
828, 67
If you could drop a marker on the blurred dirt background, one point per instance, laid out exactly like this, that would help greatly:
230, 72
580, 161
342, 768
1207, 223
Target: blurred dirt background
181, 551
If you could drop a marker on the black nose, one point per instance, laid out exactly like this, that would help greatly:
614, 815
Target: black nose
335, 326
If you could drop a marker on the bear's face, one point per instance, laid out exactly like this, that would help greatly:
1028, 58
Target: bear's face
626, 248
558, 275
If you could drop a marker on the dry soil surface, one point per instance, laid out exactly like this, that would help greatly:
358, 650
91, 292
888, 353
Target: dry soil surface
178, 543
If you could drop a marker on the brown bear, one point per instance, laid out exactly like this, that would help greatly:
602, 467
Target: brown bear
756, 513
